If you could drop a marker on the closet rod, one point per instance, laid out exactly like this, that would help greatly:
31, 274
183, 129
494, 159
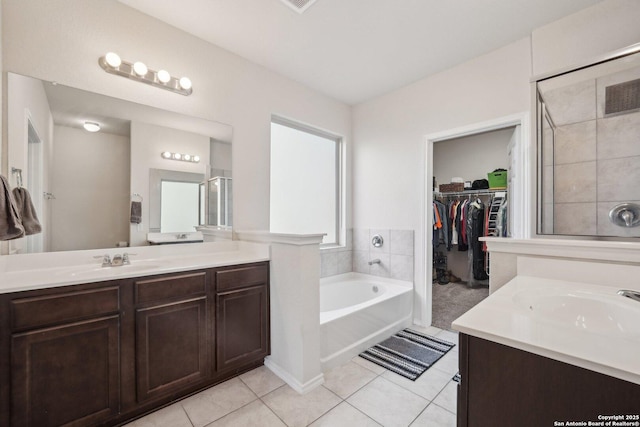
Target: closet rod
468, 193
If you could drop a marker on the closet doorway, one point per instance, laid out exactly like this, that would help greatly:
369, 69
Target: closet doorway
457, 265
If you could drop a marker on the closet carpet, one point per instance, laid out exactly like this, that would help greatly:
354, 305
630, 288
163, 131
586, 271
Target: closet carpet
452, 300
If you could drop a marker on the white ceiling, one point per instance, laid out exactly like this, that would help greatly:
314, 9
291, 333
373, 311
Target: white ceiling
355, 50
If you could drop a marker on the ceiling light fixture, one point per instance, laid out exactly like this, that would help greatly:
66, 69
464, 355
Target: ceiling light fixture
91, 126
179, 156
138, 71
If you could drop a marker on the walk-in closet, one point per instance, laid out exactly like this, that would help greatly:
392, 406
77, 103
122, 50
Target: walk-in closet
467, 205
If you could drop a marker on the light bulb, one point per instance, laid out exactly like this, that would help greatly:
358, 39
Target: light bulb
177, 156
91, 126
187, 157
113, 60
196, 159
140, 69
164, 76
185, 83
166, 155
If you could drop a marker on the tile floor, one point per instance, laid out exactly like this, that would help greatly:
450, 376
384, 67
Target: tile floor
356, 394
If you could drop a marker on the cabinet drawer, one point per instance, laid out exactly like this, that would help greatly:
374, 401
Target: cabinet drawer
241, 277
172, 287
59, 308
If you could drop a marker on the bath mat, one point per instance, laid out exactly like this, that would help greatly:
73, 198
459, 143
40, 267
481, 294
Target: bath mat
408, 353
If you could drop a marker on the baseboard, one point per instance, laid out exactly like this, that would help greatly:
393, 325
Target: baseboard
293, 382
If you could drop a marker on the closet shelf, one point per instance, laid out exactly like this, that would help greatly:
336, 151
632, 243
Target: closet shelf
483, 192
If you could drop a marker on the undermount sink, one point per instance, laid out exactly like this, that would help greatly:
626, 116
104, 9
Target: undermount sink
97, 270
587, 311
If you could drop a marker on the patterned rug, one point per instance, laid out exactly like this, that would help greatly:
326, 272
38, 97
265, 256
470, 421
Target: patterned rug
408, 353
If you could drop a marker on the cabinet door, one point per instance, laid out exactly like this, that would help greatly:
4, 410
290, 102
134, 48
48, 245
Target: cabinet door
242, 327
66, 375
171, 350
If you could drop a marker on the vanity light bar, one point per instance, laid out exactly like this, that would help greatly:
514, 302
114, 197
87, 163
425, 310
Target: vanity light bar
179, 156
138, 71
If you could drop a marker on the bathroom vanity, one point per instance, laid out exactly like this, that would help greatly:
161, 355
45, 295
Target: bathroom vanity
542, 352
104, 352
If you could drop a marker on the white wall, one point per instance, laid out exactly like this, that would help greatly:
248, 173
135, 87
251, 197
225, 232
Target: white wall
147, 143
389, 134
64, 39
471, 157
585, 36
221, 157
389, 131
29, 103
92, 212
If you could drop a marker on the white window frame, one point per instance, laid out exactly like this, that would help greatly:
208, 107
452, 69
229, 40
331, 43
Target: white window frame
339, 158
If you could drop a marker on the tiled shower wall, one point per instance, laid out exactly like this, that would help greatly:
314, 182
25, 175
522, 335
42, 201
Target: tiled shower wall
596, 159
395, 255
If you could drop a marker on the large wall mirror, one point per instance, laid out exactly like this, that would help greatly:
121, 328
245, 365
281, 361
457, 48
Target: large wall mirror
588, 126
83, 183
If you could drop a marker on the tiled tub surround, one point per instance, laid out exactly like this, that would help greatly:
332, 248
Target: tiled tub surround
596, 160
395, 254
337, 260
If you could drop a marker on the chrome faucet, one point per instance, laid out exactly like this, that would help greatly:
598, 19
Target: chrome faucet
106, 260
117, 261
634, 295
374, 261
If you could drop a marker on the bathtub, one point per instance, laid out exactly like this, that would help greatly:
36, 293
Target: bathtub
357, 311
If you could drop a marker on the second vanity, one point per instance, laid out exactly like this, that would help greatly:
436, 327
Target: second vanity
545, 352
88, 345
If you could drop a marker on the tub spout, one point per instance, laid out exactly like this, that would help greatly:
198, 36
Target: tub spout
374, 261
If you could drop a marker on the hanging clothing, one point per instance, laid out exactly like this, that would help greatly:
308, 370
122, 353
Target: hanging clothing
463, 222
475, 229
441, 225
461, 217
502, 221
453, 209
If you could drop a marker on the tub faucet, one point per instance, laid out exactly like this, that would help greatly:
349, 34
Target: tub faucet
374, 261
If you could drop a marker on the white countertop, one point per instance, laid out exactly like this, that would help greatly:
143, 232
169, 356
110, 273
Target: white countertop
585, 325
39, 271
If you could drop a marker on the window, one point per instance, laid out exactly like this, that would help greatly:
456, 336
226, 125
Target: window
305, 181
179, 206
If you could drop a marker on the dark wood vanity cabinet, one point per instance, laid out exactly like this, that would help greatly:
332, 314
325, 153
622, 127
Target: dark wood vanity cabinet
172, 333
242, 323
101, 354
504, 386
65, 357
